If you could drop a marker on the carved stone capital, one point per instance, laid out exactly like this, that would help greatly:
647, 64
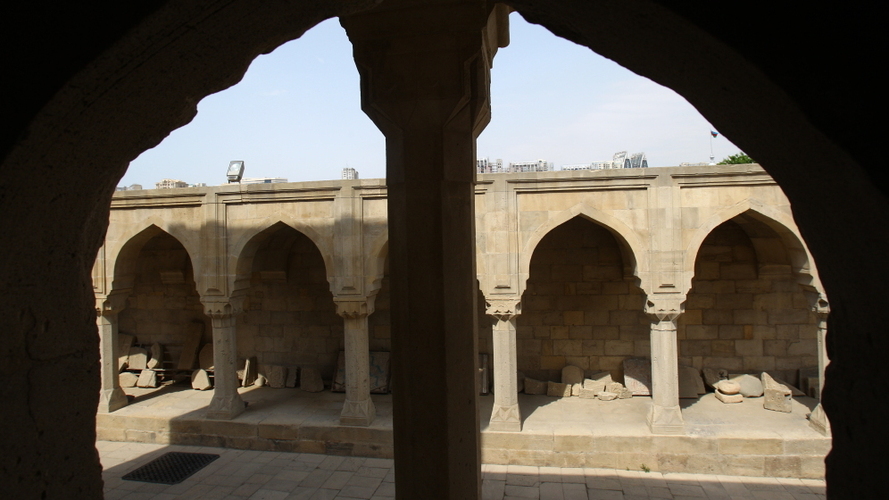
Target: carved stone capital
354, 308
503, 309
222, 307
113, 303
819, 305
666, 308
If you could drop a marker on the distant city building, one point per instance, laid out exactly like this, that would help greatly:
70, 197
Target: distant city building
350, 173
531, 166
170, 184
620, 160
486, 166
131, 187
263, 180
690, 164
198, 185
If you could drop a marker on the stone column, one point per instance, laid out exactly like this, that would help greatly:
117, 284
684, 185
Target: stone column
506, 415
665, 416
111, 396
424, 82
821, 308
226, 403
358, 408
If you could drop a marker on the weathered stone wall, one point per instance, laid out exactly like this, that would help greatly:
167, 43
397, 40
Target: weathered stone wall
578, 308
741, 317
289, 314
164, 305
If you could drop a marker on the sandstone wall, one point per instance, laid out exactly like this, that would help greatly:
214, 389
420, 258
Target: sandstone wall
578, 308
743, 313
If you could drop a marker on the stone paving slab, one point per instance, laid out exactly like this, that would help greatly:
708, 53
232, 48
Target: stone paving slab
271, 475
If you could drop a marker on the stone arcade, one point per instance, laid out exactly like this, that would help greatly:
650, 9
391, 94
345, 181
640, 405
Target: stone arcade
88, 90
698, 266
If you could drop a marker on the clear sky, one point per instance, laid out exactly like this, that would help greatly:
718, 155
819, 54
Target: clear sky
296, 114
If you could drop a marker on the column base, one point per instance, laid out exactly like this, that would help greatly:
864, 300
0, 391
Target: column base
226, 408
505, 419
358, 413
110, 400
666, 420
818, 421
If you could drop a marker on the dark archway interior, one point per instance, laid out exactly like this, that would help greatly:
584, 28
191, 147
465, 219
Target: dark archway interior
91, 87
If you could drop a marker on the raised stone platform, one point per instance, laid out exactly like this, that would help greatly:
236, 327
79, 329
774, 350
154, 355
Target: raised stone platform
738, 439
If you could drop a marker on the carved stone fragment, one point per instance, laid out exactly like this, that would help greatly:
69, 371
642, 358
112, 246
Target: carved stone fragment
200, 380
777, 396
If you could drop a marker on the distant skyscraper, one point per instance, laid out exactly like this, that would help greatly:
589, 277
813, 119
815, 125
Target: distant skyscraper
350, 173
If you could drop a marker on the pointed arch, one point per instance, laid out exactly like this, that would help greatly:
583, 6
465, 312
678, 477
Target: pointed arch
244, 246
628, 241
779, 222
125, 258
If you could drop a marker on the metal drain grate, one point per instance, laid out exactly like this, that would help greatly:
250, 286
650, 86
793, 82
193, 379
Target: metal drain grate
171, 468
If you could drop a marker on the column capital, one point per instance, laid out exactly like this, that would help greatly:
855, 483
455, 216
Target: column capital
665, 307
113, 303
354, 307
503, 309
218, 307
818, 304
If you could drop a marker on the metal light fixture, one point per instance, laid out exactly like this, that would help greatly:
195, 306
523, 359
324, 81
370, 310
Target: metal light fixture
235, 170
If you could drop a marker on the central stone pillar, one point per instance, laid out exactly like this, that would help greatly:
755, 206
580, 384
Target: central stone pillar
358, 408
665, 417
505, 415
226, 403
424, 69
112, 396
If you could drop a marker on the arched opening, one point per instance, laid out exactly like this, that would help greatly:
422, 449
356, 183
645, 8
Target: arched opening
579, 307
163, 306
746, 311
289, 315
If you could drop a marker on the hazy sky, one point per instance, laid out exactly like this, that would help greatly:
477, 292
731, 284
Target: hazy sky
296, 115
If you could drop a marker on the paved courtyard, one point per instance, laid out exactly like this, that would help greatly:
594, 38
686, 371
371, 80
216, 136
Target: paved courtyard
267, 475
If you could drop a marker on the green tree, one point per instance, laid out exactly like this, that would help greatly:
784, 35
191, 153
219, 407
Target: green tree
741, 157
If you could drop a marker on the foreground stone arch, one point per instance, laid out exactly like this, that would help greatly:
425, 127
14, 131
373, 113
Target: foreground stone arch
95, 102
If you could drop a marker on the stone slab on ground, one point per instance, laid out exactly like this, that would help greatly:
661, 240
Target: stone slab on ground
572, 375
157, 356
712, 376
190, 349
276, 375
200, 380
250, 371
597, 382
124, 343
607, 396
205, 358
310, 380
558, 390
137, 359
128, 379
777, 396
533, 386
691, 385
147, 379
637, 376
751, 386
729, 398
